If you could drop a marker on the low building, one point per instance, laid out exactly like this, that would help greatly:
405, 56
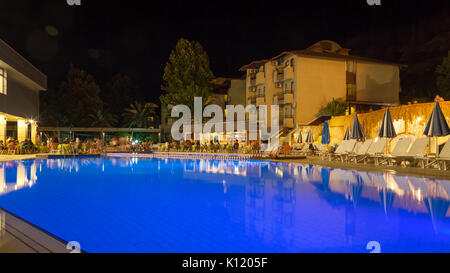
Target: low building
20, 84
303, 81
226, 91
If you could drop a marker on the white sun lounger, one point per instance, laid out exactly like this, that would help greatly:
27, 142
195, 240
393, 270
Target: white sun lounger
361, 151
444, 156
375, 150
400, 149
416, 151
343, 150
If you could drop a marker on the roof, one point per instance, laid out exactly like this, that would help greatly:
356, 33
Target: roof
9, 56
254, 64
80, 129
322, 49
373, 103
311, 53
317, 121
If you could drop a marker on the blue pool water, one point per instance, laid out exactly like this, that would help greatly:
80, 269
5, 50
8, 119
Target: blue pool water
175, 205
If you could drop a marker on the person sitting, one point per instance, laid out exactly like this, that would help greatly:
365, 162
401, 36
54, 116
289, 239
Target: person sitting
211, 146
286, 148
236, 145
11, 146
30, 147
331, 149
311, 148
255, 147
24, 146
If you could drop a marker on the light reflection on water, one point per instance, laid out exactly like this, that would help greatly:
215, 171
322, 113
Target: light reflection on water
226, 206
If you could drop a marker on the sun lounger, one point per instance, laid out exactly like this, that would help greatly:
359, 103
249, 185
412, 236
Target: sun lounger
416, 151
444, 157
361, 151
325, 151
346, 147
375, 150
321, 149
400, 149
340, 148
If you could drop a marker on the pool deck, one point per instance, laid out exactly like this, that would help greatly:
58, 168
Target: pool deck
19, 236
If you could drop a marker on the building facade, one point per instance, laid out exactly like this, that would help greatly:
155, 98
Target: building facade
301, 82
20, 84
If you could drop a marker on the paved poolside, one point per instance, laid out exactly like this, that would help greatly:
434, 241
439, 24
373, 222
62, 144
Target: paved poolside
18, 236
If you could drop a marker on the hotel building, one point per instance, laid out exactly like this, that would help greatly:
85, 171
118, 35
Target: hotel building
20, 84
303, 81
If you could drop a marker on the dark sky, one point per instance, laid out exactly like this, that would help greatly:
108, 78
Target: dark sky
136, 37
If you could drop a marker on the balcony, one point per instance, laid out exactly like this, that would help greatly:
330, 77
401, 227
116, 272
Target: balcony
288, 98
260, 100
288, 73
288, 122
279, 77
251, 99
278, 98
260, 78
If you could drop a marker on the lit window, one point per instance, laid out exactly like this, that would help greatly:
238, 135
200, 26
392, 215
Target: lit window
2, 81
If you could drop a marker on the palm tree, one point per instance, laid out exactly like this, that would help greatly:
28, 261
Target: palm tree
102, 118
139, 115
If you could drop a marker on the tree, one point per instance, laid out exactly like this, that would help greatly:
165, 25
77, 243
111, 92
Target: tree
119, 92
80, 96
443, 77
102, 118
52, 110
187, 74
336, 107
139, 115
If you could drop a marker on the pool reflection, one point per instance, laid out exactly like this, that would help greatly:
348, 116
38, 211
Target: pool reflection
288, 207
17, 175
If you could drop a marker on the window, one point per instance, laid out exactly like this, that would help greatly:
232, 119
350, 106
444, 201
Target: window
288, 111
2, 81
350, 69
351, 92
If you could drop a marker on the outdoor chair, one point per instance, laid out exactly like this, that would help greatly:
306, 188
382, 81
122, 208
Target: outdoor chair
343, 150
325, 152
345, 157
376, 149
300, 149
400, 149
441, 161
322, 149
416, 151
11, 150
361, 151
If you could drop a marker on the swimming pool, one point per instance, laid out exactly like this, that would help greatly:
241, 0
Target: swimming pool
176, 205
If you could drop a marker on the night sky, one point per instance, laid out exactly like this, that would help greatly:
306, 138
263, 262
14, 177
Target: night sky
136, 37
